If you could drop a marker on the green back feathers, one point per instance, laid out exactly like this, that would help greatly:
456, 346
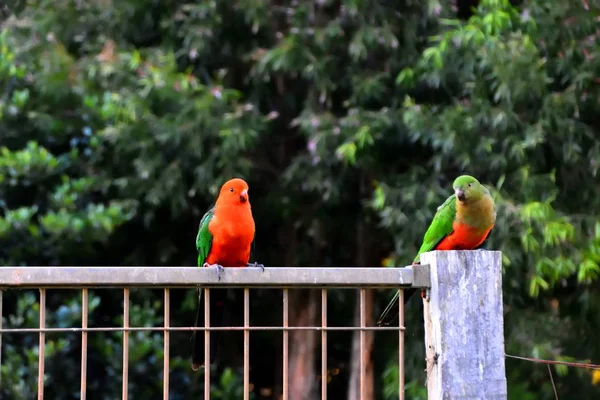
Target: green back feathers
440, 227
204, 237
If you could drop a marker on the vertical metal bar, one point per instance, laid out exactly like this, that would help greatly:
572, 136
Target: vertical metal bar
246, 344
324, 344
166, 324
286, 339
206, 344
42, 345
84, 341
0, 337
363, 317
401, 344
125, 343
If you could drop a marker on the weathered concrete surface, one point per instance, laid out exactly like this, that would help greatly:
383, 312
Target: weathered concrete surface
464, 326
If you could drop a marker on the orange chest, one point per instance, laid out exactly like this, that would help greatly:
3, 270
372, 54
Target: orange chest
463, 237
232, 238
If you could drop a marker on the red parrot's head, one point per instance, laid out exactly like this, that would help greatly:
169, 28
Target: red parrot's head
234, 191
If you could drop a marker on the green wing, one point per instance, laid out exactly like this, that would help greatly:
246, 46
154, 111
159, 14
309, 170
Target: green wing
204, 237
440, 227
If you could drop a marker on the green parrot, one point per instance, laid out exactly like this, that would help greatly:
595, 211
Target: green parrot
462, 222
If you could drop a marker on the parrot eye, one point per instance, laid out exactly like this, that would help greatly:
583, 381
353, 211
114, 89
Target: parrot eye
470, 184
231, 190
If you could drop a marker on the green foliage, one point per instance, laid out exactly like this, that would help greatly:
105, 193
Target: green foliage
350, 120
412, 390
517, 121
230, 387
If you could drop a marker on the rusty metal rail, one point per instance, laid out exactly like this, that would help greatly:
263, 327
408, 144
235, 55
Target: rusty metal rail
48, 278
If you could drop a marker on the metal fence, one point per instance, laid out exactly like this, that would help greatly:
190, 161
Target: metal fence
83, 278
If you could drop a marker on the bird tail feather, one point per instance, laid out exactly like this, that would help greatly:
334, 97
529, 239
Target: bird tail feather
217, 311
390, 314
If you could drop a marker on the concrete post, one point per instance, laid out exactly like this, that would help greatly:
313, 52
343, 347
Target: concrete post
464, 326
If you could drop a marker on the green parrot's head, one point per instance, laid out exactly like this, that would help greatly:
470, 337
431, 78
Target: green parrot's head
468, 189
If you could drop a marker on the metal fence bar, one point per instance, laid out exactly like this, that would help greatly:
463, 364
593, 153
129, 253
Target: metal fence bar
206, 344
246, 344
191, 277
323, 344
1, 294
84, 343
189, 329
177, 277
42, 344
401, 344
166, 338
286, 337
125, 343
363, 367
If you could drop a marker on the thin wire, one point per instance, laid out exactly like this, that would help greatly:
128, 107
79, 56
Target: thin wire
552, 380
552, 362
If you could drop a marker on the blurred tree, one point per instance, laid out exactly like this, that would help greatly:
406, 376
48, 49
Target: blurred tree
106, 141
512, 98
349, 119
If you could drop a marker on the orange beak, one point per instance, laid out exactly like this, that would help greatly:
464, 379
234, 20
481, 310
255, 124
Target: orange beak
244, 195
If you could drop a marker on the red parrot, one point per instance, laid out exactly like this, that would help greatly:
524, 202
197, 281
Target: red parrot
463, 222
225, 238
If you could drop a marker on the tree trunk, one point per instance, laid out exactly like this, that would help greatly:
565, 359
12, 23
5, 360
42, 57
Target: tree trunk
302, 312
354, 392
354, 387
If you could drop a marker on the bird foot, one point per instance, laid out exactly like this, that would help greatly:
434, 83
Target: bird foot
219, 269
256, 265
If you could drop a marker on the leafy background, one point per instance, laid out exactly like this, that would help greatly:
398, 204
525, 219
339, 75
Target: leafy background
119, 121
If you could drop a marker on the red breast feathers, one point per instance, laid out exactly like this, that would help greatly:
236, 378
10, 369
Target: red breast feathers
232, 226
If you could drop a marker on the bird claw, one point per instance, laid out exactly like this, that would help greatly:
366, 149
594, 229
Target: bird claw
219, 269
256, 265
